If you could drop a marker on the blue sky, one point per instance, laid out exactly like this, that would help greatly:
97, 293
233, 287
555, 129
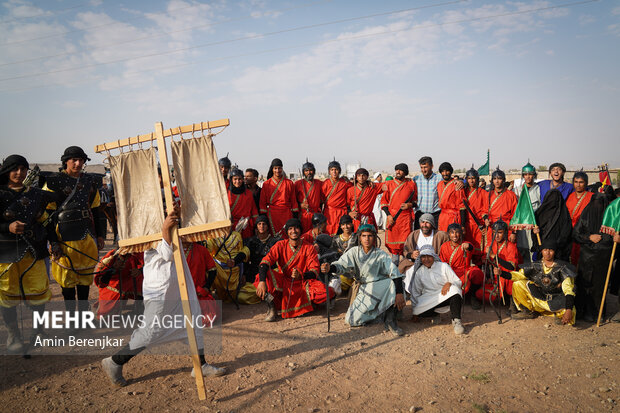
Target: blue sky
372, 82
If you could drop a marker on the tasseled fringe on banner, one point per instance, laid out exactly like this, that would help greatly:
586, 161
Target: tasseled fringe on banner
205, 235
130, 249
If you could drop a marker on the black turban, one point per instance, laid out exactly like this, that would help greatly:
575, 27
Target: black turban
9, 164
362, 171
402, 167
73, 152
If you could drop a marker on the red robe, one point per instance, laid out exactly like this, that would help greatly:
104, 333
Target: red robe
312, 194
460, 262
335, 202
575, 208
397, 193
450, 203
503, 206
243, 205
478, 200
508, 252
293, 298
200, 263
362, 200
277, 201
122, 285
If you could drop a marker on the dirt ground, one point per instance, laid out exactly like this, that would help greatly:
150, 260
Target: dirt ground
296, 365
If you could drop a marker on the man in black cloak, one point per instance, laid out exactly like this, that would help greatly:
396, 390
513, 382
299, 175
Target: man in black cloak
553, 220
593, 259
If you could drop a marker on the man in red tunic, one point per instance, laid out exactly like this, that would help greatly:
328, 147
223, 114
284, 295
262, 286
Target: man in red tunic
118, 277
504, 254
478, 200
293, 287
241, 203
398, 199
458, 254
203, 271
319, 225
334, 197
361, 199
450, 192
575, 203
502, 204
309, 196
277, 198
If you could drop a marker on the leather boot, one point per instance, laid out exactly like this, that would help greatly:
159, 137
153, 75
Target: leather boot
271, 312
390, 322
14, 343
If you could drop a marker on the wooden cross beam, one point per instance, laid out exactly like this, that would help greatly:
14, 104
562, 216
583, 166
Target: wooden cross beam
160, 135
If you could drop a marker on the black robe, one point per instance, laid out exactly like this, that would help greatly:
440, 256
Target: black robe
553, 219
593, 257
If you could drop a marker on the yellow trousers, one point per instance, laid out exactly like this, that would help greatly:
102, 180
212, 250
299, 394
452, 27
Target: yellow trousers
62, 270
35, 282
225, 280
523, 298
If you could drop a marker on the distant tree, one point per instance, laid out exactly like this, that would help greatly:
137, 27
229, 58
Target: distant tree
542, 168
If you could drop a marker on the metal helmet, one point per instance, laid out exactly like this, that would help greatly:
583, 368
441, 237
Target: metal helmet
318, 219
498, 172
528, 168
472, 172
308, 166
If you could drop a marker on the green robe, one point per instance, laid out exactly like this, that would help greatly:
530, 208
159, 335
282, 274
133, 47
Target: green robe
374, 272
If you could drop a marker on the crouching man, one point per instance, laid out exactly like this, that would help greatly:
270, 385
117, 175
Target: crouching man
435, 285
545, 287
380, 290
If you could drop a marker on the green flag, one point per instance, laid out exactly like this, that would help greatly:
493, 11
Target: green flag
611, 219
524, 215
484, 169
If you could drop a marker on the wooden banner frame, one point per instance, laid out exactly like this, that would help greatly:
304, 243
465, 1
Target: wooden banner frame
160, 136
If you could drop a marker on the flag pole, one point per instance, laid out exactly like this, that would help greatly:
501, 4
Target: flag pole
611, 260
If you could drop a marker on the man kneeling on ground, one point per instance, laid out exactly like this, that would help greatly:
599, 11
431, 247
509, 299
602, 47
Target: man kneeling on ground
435, 285
380, 284
545, 287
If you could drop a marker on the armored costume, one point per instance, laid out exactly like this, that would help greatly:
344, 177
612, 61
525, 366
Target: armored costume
258, 249
23, 274
545, 290
78, 224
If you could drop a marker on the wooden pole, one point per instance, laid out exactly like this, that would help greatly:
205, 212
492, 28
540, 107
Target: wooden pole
178, 261
611, 261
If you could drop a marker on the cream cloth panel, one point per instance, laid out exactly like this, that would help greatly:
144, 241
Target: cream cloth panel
202, 191
139, 204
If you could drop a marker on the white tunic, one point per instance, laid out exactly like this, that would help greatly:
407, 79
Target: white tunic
162, 297
425, 287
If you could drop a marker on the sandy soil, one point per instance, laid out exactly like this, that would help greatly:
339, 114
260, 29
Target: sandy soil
296, 365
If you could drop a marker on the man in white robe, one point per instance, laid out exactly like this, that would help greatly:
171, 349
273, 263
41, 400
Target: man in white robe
162, 297
380, 290
435, 285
